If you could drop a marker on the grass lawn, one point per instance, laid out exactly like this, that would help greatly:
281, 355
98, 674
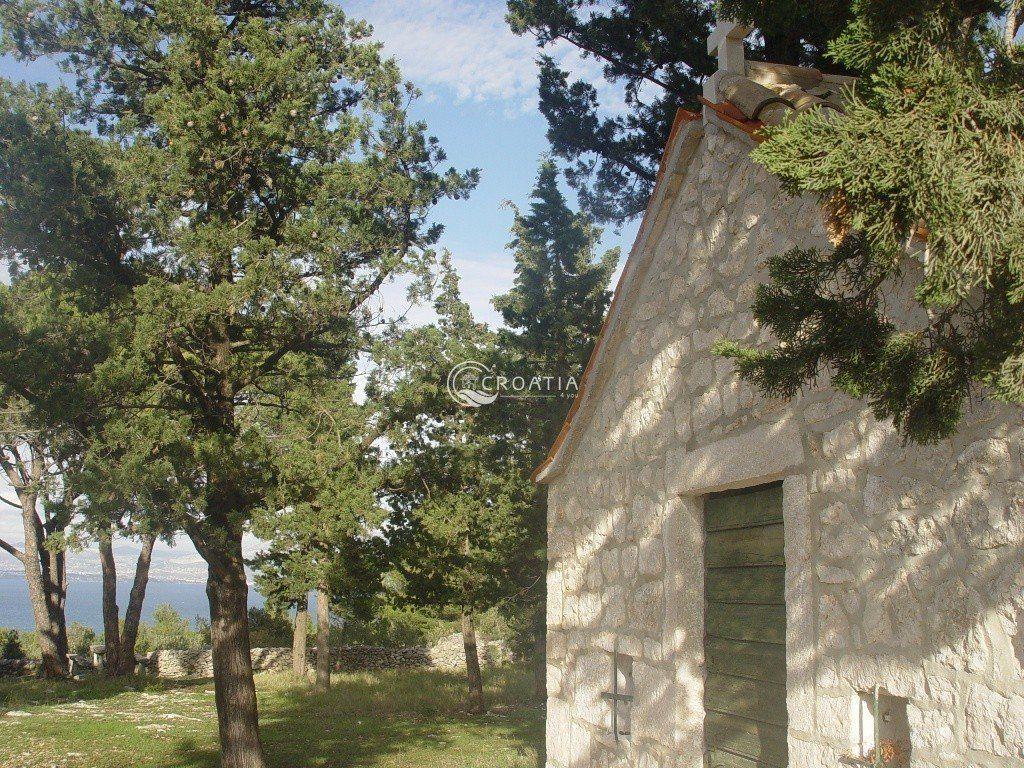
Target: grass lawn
393, 719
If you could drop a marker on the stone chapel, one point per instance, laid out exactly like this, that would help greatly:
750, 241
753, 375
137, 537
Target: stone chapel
737, 582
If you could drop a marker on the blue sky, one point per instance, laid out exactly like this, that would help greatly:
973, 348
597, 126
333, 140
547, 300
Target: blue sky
479, 98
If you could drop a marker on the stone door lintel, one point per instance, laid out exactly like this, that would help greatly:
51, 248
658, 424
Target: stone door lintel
760, 455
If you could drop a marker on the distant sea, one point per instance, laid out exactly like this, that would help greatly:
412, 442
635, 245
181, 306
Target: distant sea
85, 600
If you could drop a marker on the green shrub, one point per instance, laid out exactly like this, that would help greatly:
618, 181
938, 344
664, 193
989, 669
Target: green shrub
269, 629
30, 642
394, 627
403, 626
491, 625
10, 644
80, 637
170, 631
204, 631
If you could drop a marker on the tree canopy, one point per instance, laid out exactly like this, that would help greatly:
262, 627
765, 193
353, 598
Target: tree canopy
320, 517
452, 495
553, 313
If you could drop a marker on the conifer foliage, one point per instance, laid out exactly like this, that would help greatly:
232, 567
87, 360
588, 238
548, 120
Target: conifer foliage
319, 518
455, 496
557, 303
656, 52
922, 179
267, 183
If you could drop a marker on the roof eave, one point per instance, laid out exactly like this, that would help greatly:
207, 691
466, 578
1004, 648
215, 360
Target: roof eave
687, 129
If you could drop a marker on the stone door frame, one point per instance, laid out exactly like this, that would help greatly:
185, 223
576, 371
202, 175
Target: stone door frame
759, 456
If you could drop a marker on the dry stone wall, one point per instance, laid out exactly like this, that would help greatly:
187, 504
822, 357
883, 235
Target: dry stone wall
447, 654
181, 664
904, 564
18, 667
78, 663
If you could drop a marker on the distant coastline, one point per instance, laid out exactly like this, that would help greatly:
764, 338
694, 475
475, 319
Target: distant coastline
167, 578
85, 600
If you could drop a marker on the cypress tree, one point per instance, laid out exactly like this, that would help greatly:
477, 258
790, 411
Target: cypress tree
654, 55
552, 314
556, 305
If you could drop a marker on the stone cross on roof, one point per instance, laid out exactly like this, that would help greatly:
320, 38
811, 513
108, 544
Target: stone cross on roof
726, 42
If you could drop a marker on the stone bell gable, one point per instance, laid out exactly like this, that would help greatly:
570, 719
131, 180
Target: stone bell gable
741, 582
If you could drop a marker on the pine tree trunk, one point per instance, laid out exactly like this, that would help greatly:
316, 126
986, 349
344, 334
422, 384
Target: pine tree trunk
111, 614
44, 587
473, 676
234, 689
299, 642
58, 593
323, 640
133, 613
219, 540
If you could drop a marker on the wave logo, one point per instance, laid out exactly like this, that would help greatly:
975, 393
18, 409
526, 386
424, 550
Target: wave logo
465, 385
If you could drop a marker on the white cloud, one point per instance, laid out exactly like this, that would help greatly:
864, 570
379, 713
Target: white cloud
480, 279
465, 50
483, 278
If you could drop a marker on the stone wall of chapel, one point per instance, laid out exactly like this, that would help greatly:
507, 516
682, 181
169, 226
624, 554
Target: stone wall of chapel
904, 563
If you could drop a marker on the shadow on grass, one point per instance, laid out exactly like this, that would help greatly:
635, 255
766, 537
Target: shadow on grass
35, 691
408, 718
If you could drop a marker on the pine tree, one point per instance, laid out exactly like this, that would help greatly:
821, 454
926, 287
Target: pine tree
656, 53
455, 525
107, 509
104, 522
281, 576
272, 184
61, 320
552, 314
923, 181
31, 463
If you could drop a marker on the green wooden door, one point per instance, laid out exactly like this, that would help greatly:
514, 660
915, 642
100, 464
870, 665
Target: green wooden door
745, 630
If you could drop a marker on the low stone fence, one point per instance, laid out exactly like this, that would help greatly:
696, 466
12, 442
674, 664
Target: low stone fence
77, 663
18, 667
447, 654
179, 664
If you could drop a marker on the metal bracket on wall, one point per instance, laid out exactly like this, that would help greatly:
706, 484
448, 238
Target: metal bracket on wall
614, 696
